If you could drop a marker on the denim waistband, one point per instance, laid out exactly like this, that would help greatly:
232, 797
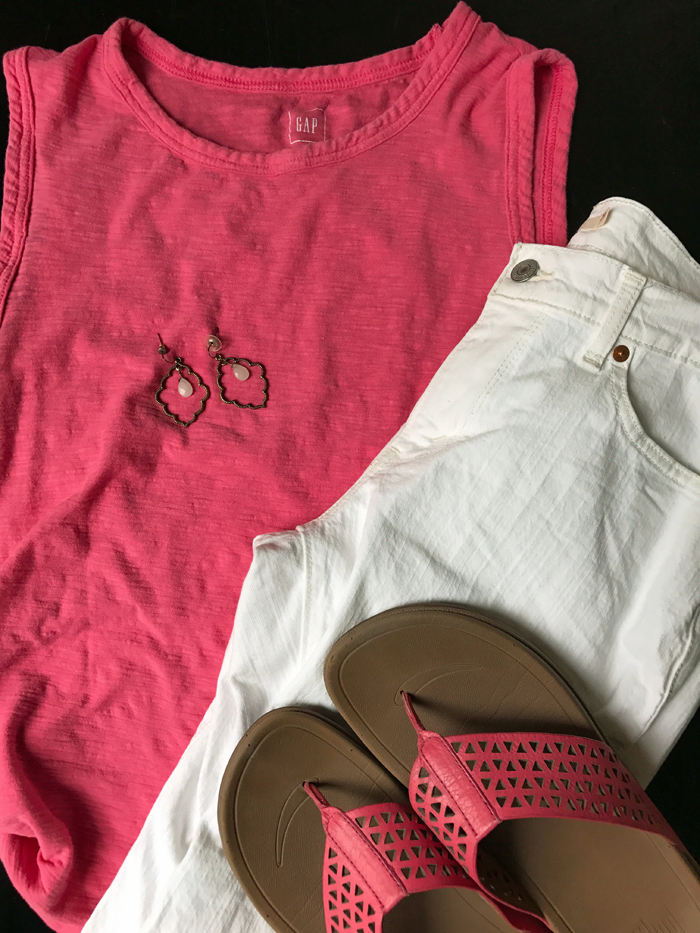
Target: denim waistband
629, 275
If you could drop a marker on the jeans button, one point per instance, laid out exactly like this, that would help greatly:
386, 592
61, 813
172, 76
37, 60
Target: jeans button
525, 270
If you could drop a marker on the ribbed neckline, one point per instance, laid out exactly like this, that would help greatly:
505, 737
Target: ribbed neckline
430, 59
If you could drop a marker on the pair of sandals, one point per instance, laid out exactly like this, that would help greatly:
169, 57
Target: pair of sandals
489, 795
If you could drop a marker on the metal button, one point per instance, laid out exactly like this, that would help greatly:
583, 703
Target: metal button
525, 270
621, 353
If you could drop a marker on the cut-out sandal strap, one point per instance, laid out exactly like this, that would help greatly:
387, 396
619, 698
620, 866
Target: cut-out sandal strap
375, 856
463, 786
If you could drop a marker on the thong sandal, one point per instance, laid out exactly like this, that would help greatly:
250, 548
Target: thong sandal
504, 746
343, 869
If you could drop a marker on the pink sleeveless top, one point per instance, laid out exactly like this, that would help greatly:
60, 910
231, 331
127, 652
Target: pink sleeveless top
341, 225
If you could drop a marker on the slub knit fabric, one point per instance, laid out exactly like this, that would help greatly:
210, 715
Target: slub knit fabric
341, 225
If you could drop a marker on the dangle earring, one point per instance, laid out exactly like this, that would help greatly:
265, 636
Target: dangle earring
241, 368
184, 385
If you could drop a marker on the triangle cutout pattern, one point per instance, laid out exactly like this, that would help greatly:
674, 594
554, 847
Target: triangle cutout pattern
435, 804
553, 775
410, 854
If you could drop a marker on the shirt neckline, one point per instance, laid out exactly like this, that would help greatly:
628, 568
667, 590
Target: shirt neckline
431, 59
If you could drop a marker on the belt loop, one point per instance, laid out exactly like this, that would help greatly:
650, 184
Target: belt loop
612, 322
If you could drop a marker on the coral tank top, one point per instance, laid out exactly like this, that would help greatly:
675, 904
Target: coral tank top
338, 225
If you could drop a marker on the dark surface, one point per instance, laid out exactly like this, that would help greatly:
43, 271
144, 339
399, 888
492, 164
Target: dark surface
636, 134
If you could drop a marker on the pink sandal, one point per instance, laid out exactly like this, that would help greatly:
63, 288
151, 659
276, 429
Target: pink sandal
554, 803
370, 855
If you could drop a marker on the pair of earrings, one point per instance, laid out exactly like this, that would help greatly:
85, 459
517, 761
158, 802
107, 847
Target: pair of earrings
240, 367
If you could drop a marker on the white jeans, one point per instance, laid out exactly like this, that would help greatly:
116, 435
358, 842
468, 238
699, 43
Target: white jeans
538, 479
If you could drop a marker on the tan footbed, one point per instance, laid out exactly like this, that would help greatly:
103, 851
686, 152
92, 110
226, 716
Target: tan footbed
466, 674
274, 840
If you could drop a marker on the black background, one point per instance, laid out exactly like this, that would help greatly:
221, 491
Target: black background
635, 134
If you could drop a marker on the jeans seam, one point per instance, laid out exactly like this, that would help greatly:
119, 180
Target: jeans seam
497, 376
667, 353
652, 453
546, 304
692, 629
588, 320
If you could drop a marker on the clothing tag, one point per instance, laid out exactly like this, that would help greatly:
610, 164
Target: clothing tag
593, 223
307, 126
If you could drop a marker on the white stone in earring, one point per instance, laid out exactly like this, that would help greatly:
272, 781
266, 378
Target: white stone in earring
184, 387
240, 372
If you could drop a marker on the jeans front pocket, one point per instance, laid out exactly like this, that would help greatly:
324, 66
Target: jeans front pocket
681, 399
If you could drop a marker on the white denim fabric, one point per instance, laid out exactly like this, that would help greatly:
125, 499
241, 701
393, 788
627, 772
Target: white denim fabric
537, 479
